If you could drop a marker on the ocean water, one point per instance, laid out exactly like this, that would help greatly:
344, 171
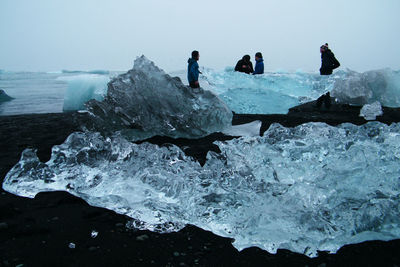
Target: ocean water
46, 92
32, 92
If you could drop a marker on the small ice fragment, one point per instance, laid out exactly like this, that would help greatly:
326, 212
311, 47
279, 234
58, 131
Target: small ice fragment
370, 111
94, 234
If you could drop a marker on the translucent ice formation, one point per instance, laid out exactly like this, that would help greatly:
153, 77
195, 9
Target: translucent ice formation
82, 88
146, 101
277, 92
368, 87
313, 187
270, 93
370, 111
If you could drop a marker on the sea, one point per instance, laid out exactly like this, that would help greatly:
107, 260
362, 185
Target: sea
42, 92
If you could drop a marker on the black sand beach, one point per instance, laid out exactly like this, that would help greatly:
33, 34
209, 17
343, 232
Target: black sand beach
40, 231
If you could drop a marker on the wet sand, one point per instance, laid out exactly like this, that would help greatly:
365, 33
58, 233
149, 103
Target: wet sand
40, 231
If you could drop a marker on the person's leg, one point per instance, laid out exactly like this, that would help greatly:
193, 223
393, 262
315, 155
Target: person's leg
194, 85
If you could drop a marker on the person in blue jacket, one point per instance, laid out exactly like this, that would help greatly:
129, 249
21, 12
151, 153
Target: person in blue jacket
193, 70
259, 69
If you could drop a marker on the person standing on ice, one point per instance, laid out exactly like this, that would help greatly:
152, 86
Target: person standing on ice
328, 64
244, 65
328, 60
193, 70
259, 69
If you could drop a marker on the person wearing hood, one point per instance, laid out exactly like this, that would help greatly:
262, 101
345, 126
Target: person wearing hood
328, 64
328, 60
244, 65
259, 69
193, 70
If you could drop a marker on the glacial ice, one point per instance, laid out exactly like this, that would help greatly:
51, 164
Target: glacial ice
248, 129
82, 88
370, 111
271, 93
276, 92
146, 101
308, 188
368, 87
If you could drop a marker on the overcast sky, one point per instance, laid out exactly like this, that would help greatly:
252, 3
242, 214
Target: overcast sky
50, 35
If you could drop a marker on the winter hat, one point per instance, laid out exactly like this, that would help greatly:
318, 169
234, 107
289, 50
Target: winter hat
324, 46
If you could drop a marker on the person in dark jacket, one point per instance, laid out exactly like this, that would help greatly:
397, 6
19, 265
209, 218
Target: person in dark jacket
328, 60
244, 65
193, 70
259, 69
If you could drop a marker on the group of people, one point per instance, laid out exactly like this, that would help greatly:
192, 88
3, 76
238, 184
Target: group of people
328, 64
245, 65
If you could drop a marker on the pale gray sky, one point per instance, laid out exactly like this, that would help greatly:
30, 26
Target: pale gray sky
49, 35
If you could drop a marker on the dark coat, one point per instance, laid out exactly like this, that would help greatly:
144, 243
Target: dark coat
248, 66
328, 63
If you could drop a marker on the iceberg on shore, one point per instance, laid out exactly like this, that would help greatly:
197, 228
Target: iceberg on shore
277, 92
270, 93
82, 88
308, 188
370, 111
368, 87
146, 101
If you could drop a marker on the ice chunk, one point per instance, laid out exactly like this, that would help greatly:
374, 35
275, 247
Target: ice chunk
94, 234
4, 97
368, 87
369, 112
276, 92
308, 188
82, 88
270, 93
146, 101
247, 129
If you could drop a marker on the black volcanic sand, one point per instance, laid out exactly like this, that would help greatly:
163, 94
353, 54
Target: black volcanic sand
37, 232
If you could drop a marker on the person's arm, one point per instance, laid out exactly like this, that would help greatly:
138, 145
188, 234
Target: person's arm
335, 62
258, 69
192, 74
255, 69
196, 72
